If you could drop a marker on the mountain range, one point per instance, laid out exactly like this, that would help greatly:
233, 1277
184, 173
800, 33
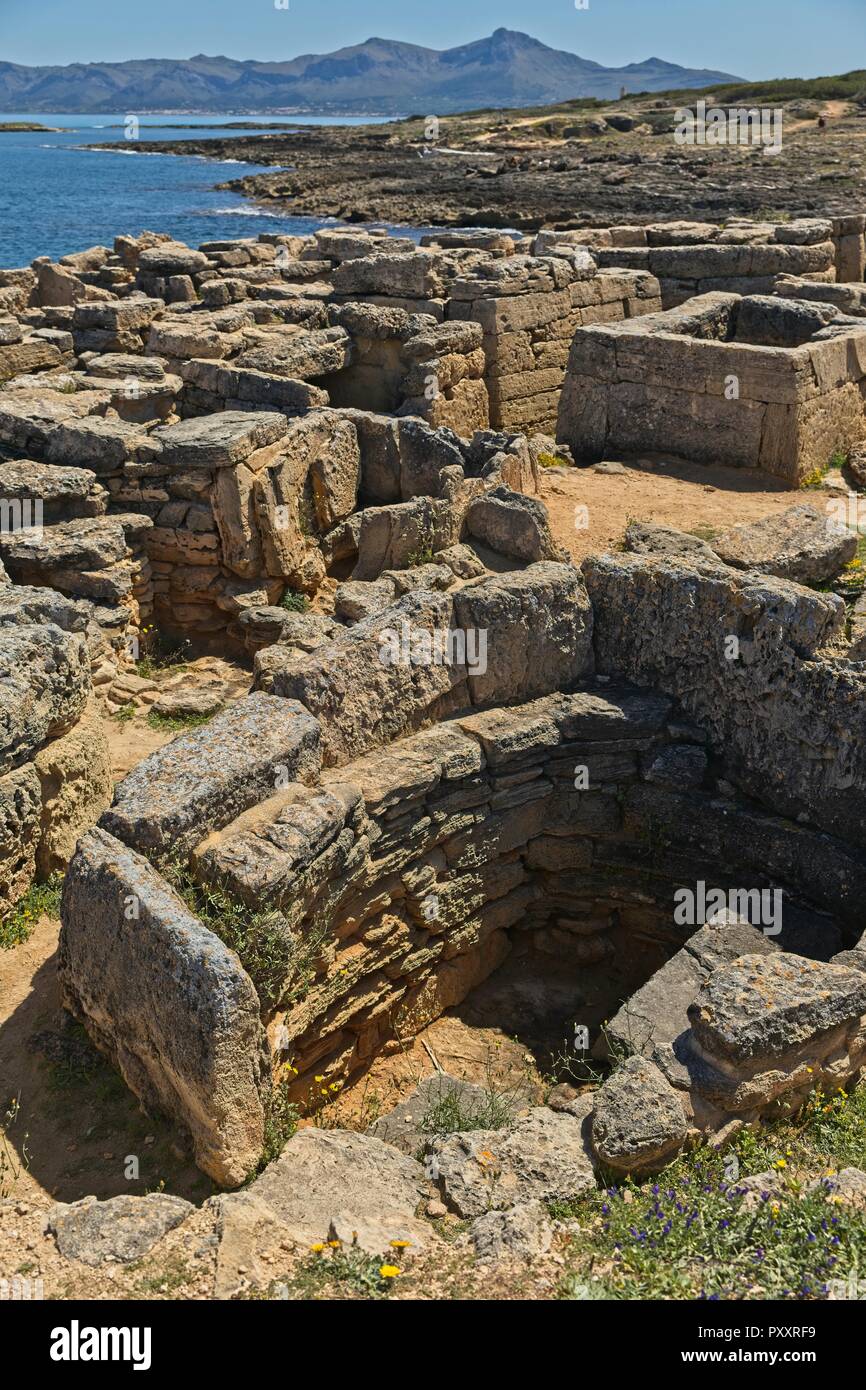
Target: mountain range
380, 76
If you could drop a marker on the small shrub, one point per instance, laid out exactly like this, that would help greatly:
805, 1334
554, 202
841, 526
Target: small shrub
424, 555
280, 964
281, 1122
41, 899
333, 1270
294, 602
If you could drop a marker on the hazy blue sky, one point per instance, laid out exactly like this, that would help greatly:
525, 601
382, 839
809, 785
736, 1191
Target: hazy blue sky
753, 38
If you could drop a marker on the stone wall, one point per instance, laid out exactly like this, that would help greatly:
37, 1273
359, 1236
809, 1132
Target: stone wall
782, 704
740, 257
395, 828
751, 382
55, 775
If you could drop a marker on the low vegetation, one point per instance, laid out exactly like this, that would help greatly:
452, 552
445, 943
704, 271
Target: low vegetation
40, 900
695, 1232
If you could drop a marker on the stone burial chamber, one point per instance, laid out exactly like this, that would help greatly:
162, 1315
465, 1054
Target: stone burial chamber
753, 381
285, 893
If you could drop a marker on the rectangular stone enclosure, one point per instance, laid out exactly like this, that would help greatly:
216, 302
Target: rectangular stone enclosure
748, 381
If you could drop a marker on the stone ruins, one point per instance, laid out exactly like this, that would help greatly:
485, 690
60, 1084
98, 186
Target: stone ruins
467, 748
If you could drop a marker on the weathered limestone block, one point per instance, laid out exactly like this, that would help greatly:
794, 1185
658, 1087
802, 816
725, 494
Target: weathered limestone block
168, 1003
537, 632
233, 501
651, 538
544, 1156
335, 472
760, 1007
44, 686
512, 524
230, 387
219, 441
34, 355
424, 453
301, 355
638, 1123
65, 493
120, 1229
312, 484
326, 1185
413, 274
802, 544
398, 536
772, 1029
171, 258
76, 782
103, 446
389, 674
777, 705
20, 806
204, 778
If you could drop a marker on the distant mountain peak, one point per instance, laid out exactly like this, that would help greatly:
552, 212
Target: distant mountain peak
507, 68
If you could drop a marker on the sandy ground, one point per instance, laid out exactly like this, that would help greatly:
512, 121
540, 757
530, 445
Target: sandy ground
590, 509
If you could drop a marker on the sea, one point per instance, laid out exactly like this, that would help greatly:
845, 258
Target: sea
57, 196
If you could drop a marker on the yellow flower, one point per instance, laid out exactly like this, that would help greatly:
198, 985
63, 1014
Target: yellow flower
775, 1209
388, 1271
318, 1078
400, 1244
780, 1163
317, 1248
335, 1244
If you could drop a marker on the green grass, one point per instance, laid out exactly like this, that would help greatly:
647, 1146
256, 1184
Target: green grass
280, 964
281, 1122
689, 1234
41, 899
338, 1272
125, 713
451, 1112
177, 723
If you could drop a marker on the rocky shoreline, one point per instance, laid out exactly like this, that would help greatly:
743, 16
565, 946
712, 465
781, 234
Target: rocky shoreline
553, 167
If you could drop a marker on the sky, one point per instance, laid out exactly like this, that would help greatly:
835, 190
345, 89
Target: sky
751, 38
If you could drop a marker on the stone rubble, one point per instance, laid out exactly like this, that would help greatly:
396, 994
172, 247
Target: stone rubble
308, 451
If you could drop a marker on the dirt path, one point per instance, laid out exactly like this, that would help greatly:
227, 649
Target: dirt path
591, 508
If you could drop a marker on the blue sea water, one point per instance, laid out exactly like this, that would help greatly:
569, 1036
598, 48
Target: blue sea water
57, 197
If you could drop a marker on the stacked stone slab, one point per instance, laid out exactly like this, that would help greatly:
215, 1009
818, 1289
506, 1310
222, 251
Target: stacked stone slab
753, 382
740, 257
56, 534
400, 824
529, 309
